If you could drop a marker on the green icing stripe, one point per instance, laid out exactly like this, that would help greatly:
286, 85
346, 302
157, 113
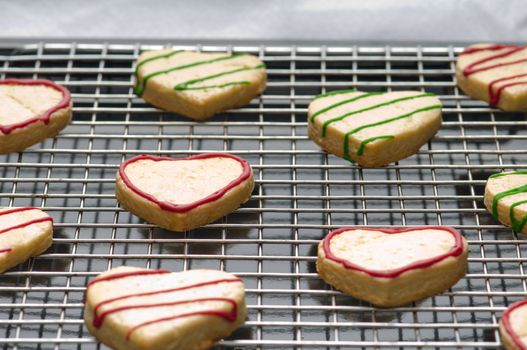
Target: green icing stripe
330, 121
508, 173
386, 121
215, 86
154, 58
140, 87
185, 85
346, 157
517, 225
336, 92
360, 151
335, 105
501, 195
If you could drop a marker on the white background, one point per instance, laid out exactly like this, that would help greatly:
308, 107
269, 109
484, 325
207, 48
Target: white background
317, 21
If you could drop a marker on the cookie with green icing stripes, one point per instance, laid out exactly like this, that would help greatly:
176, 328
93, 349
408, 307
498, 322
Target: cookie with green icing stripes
373, 128
198, 85
506, 199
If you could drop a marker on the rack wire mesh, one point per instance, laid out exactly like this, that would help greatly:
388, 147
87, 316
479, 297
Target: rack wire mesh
301, 193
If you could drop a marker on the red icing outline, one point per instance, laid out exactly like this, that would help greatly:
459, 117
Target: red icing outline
456, 250
24, 224
470, 69
508, 327
180, 208
44, 117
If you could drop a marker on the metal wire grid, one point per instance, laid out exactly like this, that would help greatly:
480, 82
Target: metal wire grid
300, 194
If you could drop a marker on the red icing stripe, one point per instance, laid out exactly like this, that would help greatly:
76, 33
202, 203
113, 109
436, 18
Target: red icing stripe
44, 117
456, 250
163, 291
117, 276
485, 48
16, 210
180, 208
495, 95
496, 66
472, 68
230, 316
99, 319
27, 223
24, 224
505, 319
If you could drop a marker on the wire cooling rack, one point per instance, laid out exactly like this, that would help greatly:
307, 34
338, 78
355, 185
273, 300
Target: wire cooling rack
301, 193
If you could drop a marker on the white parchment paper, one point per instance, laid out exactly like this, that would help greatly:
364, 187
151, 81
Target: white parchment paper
351, 21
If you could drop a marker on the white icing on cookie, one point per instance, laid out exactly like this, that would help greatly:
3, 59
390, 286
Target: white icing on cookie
375, 250
19, 103
183, 181
518, 322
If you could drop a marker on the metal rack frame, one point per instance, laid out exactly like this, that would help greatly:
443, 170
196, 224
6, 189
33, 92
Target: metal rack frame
301, 193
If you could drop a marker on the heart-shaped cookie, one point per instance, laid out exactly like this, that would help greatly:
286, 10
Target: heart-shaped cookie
31, 111
24, 232
373, 128
391, 267
496, 74
129, 308
513, 326
506, 199
180, 194
198, 85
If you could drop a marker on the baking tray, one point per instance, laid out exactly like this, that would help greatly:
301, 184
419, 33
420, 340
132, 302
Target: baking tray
301, 193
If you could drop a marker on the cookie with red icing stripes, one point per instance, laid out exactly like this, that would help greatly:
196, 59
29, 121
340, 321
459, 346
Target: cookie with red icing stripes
30, 112
496, 74
129, 308
24, 232
180, 194
392, 267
